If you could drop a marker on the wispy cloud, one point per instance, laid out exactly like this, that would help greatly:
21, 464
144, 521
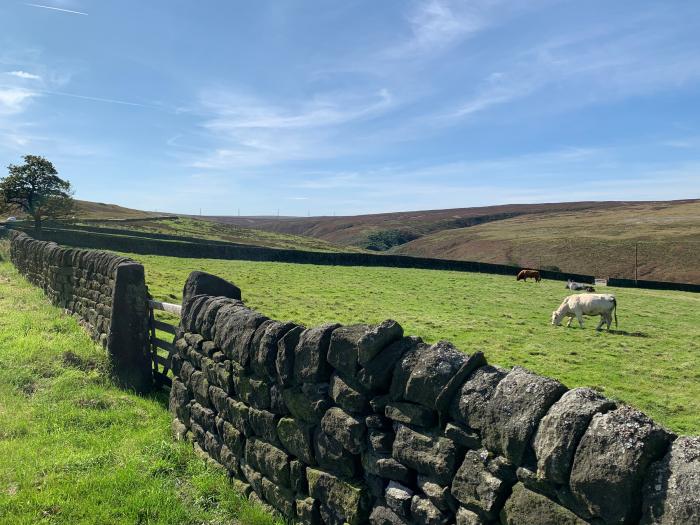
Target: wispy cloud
14, 99
58, 9
250, 132
24, 75
436, 25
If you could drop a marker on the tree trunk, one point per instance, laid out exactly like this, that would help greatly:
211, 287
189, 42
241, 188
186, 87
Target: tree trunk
37, 223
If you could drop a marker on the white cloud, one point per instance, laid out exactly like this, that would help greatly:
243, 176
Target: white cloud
13, 100
24, 75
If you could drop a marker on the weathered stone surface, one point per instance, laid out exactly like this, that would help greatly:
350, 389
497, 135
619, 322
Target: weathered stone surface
426, 453
203, 416
237, 414
469, 406
411, 414
264, 424
277, 404
269, 460
280, 498
376, 374
424, 512
516, 408
208, 320
234, 337
376, 338
477, 487
179, 401
297, 476
380, 441
386, 467
358, 344
178, 429
284, 363
229, 459
200, 388
611, 460
439, 495
264, 348
378, 422
382, 515
252, 476
414, 351
307, 403
218, 398
297, 438
332, 456
307, 511
212, 445
398, 498
525, 506
462, 436
252, 391
310, 365
231, 437
202, 283
348, 395
343, 351
349, 500
561, 429
672, 490
467, 517
347, 430
430, 375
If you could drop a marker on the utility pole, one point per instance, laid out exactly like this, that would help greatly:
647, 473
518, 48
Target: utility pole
636, 258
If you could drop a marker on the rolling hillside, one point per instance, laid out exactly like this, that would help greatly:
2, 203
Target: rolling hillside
583, 237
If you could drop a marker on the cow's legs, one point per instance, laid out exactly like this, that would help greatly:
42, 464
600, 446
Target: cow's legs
571, 318
600, 324
580, 319
608, 320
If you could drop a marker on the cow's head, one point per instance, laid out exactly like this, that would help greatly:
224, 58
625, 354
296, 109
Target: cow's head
557, 316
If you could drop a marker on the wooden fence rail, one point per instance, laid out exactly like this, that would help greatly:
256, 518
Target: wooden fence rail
161, 364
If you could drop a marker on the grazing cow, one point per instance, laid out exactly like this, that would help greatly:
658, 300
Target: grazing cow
579, 305
524, 274
573, 285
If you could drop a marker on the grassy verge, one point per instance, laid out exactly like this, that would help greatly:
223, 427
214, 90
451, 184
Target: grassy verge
75, 449
652, 362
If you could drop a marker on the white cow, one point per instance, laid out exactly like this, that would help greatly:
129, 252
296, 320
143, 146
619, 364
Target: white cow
579, 305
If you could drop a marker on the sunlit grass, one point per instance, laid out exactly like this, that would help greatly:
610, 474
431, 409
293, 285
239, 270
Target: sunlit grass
75, 449
653, 362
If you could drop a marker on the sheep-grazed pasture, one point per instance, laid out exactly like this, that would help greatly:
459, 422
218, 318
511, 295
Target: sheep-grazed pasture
651, 362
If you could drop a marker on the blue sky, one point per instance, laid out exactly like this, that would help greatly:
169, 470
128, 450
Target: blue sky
354, 106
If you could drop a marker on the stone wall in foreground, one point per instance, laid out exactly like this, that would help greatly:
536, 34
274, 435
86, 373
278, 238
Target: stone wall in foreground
106, 292
362, 424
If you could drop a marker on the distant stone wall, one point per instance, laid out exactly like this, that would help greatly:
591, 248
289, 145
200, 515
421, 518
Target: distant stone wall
106, 292
361, 424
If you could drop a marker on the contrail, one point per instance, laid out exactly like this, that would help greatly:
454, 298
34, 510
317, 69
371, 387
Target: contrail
58, 9
98, 99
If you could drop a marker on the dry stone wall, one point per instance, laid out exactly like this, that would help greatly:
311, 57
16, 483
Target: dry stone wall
362, 424
106, 292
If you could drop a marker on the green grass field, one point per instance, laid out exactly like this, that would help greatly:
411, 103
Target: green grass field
75, 449
653, 362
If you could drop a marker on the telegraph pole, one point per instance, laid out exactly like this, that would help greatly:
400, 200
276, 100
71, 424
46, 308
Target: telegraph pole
636, 258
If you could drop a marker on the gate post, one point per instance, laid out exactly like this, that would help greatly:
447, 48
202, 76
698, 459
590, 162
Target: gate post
127, 343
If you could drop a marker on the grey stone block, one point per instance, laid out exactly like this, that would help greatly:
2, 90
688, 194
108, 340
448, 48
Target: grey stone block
426, 453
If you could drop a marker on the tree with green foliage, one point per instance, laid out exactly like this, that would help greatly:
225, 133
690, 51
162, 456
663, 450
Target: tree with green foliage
36, 189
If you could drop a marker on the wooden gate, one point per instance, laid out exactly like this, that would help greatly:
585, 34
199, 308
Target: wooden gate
161, 350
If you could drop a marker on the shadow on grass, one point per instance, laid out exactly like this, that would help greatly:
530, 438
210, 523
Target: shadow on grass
628, 334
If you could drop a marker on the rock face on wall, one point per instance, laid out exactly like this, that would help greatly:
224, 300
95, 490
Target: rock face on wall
106, 292
361, 424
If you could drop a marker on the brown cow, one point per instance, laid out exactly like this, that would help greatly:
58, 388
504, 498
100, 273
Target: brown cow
524, 274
